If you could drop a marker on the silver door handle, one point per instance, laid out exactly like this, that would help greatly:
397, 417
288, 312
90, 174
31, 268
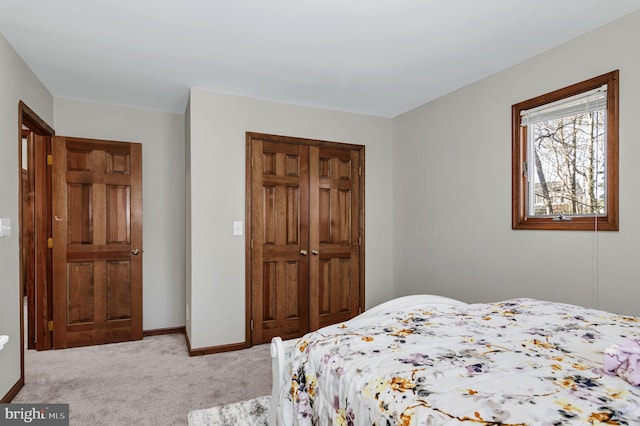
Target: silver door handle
303, 252
315, 252
135, 251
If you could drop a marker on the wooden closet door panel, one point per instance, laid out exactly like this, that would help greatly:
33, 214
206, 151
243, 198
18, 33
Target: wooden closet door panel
280, 229
305, 200
334, 235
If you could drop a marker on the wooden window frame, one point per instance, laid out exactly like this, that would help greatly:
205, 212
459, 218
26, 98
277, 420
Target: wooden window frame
608, 222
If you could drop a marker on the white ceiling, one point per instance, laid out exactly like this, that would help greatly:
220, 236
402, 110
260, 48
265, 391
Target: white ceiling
379, 57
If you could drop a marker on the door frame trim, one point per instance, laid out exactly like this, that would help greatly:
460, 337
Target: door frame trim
248, 213
37, 125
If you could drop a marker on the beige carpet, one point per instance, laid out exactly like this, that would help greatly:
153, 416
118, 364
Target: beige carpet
149, 382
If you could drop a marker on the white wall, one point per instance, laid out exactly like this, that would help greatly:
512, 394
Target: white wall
218, 125
17, 83
162, 136
452, 189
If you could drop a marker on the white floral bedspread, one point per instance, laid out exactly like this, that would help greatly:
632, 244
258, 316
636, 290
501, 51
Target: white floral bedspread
516, 362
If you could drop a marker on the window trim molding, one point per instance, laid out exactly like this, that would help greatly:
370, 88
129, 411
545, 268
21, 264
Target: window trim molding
519, 218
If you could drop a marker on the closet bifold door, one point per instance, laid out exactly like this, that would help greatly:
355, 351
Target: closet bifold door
334, 235
305, 248
280, 240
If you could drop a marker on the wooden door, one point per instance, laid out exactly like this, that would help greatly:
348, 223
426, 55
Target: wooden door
335, 235
305, 202
28, 231
97, 242
42, 303
280, 240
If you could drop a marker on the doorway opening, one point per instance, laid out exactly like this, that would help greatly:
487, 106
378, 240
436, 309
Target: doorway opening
34, 153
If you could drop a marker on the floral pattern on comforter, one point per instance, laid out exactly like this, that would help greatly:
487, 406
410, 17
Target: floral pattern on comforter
515, 362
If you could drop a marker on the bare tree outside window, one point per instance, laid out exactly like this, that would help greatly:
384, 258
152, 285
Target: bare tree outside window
565, 158
569, 166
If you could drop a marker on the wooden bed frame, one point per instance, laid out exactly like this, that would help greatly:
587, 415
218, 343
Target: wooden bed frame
281, 349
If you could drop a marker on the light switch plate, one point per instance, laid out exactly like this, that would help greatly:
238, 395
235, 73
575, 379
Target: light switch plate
5, 227
3, 341
237, 227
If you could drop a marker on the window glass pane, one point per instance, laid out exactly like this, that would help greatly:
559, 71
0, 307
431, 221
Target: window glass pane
567, 165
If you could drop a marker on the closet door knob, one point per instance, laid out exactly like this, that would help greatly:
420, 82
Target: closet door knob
316, 252
135, 251
303, 252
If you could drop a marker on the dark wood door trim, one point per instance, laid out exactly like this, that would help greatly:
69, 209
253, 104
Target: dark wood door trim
39, 134
250, 136
26, 114
31, 126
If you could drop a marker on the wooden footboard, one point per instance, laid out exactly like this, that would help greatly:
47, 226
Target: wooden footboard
280, 351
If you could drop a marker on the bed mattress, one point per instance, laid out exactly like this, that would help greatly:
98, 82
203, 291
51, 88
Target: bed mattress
515, 362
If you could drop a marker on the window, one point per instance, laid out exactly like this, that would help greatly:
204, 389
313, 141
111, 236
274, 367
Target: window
565, 158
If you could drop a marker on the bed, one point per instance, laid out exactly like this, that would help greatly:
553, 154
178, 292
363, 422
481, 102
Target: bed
431, 360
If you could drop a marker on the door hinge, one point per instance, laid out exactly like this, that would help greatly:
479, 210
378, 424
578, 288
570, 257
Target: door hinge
359, 310
50, 325
359, 171
252, 162
359, 241
251, 244
251, 325
49, 159
50, 242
